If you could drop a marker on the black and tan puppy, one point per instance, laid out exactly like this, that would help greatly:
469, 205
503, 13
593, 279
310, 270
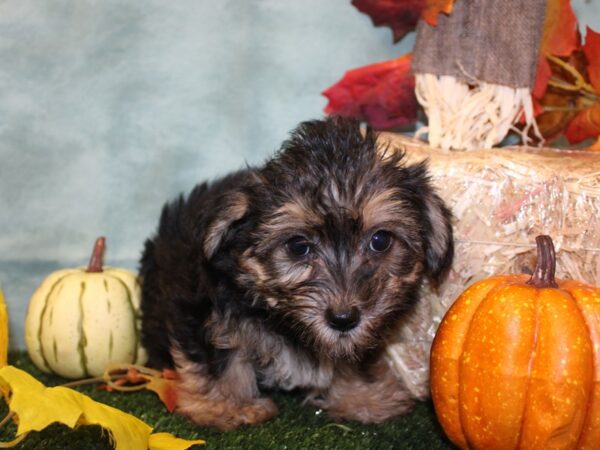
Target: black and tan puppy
292, 276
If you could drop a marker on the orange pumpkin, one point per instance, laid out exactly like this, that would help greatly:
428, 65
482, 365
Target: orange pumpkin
515, 363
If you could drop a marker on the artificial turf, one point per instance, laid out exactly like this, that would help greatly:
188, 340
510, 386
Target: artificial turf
298, 426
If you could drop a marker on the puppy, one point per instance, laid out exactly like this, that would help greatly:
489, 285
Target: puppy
292, 276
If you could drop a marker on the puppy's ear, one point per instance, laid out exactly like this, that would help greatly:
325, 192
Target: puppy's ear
234, 208
439, 242
436, 218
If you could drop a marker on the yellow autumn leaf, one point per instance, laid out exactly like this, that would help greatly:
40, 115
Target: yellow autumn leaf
3, 331
37, 406
166, 441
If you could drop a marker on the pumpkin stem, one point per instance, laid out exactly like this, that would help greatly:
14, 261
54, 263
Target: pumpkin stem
545, 267
96, 261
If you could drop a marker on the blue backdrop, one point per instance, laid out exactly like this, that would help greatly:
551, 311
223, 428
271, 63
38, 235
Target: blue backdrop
109, 108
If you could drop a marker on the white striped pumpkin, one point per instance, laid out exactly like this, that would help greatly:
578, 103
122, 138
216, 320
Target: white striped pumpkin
79, 321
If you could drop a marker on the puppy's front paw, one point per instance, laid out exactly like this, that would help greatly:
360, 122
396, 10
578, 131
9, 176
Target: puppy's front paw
373, 408
259, 411
353, 398
227, 415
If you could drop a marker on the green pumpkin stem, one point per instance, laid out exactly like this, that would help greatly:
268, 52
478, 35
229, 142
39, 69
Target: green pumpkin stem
96, 261
545, 267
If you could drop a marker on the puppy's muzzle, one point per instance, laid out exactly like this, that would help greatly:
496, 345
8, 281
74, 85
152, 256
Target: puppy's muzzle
343, 319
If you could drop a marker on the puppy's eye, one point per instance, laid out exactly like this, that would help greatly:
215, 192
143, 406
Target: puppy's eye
380, 241
298, 246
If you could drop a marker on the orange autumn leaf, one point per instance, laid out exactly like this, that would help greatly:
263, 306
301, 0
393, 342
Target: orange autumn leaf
165, 389
557, 111
560, 37
584, 125
433, 9
36, 406
134, 378
383, 94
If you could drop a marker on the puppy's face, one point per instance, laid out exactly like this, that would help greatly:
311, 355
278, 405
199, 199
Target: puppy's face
343, 237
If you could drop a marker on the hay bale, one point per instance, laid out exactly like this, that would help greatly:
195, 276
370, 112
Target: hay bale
501, 198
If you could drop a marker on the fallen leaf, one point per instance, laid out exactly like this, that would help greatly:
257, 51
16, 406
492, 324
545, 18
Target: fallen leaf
560, 37
130, 377
166, 441
400, 15
165, 390
37, 406
383, 94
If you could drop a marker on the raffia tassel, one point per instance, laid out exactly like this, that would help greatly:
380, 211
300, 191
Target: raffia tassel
472, 115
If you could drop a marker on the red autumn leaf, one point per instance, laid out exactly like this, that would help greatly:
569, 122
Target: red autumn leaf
434, 8
559, 38
591, 50
400, 15
382, 94
584, 125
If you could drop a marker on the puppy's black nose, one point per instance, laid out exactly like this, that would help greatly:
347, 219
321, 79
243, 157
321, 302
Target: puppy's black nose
342, 320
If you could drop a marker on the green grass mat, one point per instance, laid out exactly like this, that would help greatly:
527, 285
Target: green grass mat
297, 426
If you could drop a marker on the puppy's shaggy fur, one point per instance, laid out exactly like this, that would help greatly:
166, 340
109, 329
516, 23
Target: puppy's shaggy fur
292, 276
